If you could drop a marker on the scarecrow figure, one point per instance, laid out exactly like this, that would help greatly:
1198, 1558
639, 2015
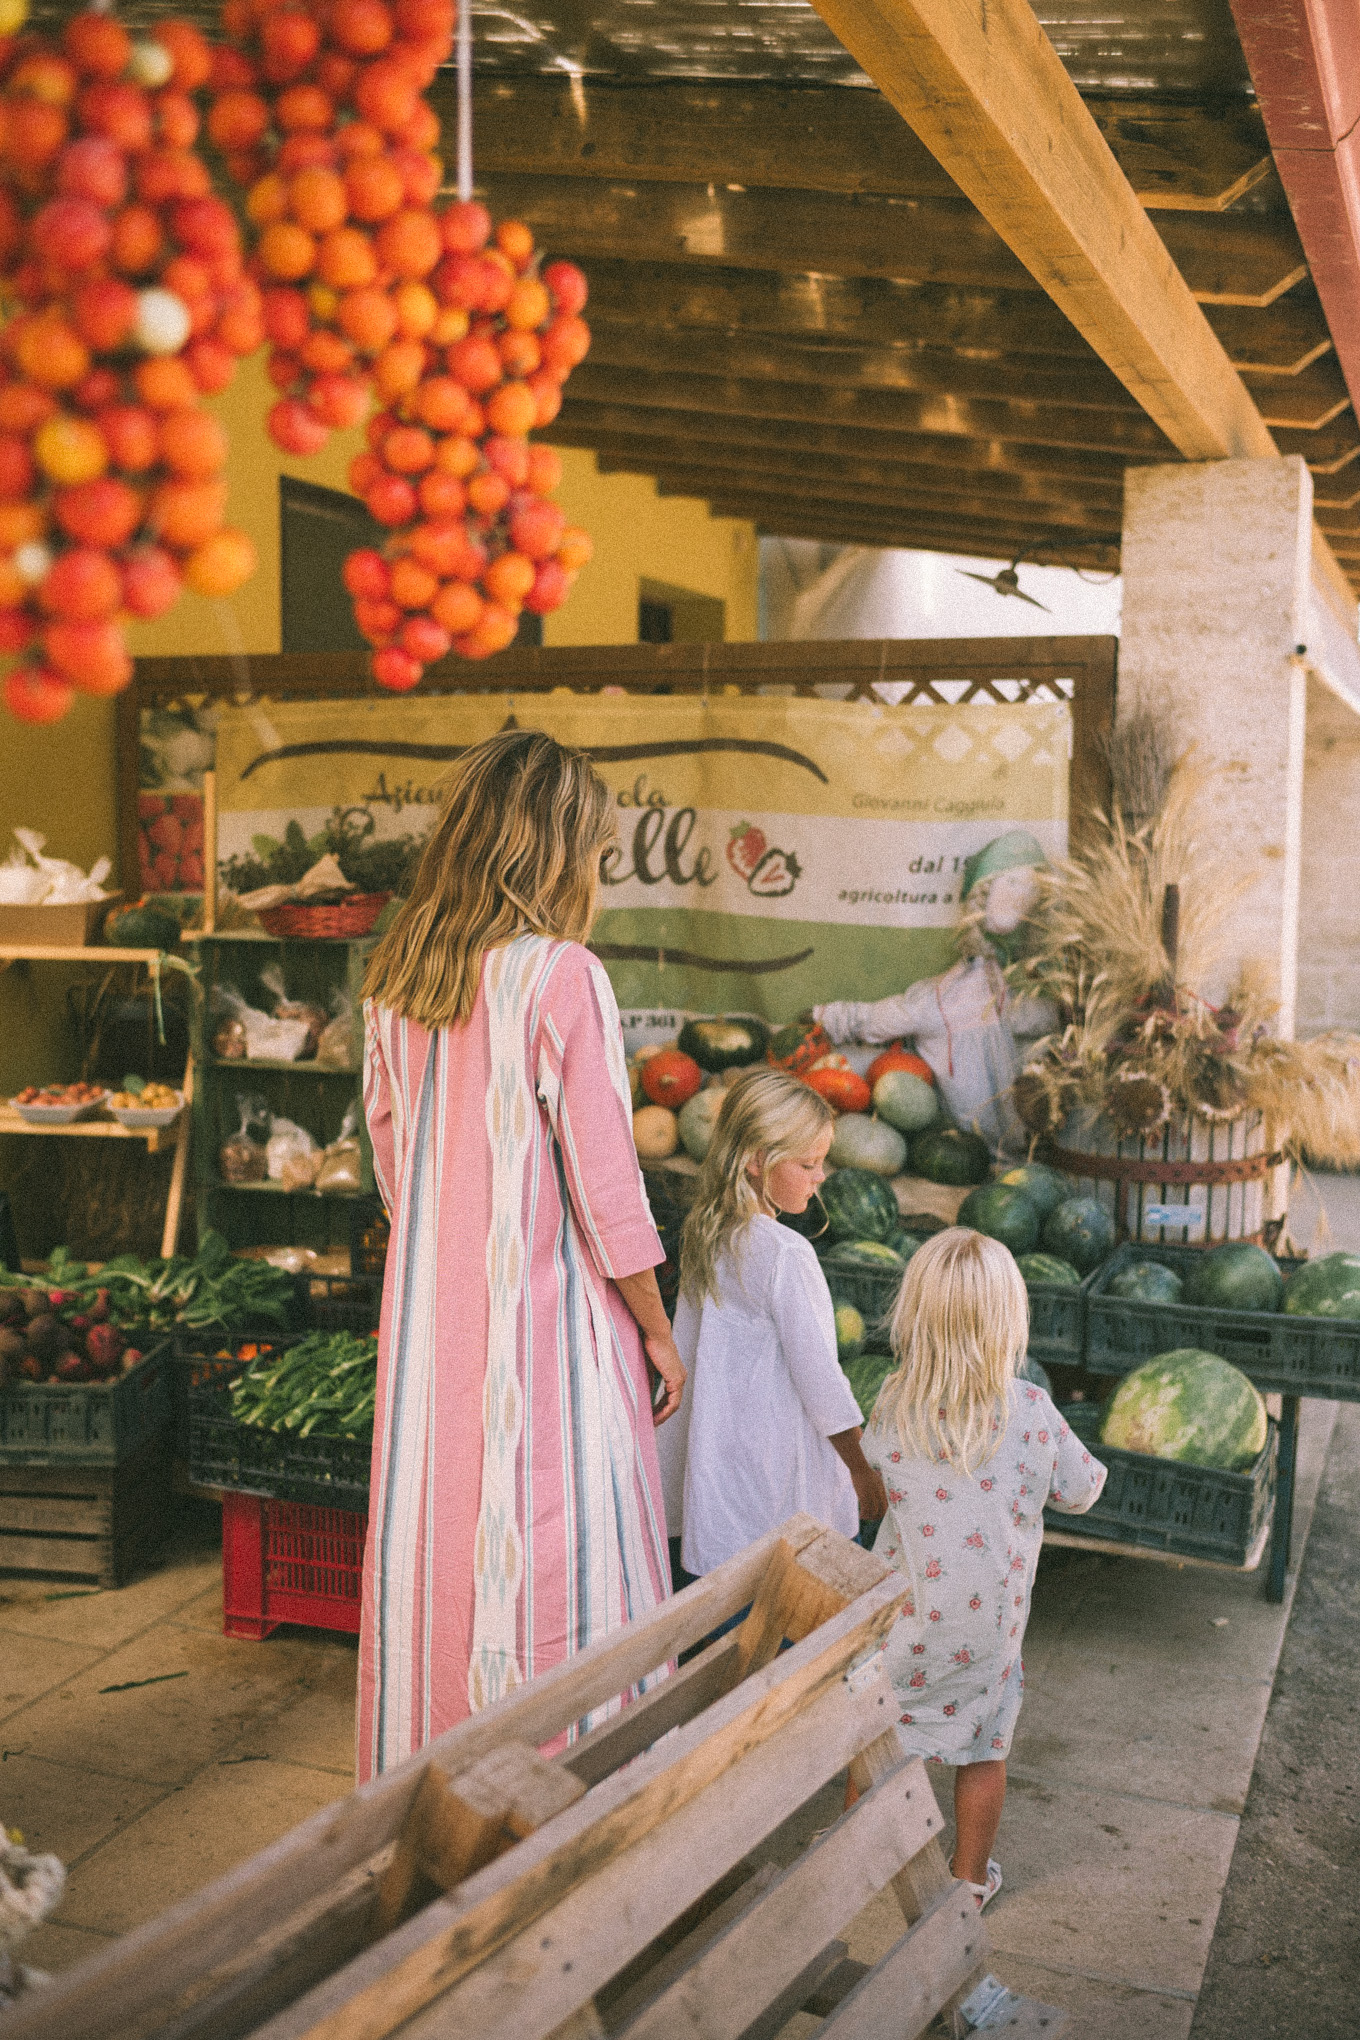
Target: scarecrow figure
967, 1024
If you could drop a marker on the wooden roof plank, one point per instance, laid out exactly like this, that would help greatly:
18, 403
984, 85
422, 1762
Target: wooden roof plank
987, 93
649, 456
827, 138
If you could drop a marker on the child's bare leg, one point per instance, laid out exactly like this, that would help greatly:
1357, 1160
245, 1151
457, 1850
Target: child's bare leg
979, 1795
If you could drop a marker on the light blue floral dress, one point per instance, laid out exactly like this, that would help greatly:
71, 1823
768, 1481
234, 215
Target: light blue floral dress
969, 1544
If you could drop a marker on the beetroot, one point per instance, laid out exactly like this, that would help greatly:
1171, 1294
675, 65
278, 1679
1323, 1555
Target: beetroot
71, 1367
131, 1359
104, 1345
99, 1309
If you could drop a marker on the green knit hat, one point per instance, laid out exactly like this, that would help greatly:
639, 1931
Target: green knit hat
1003, 853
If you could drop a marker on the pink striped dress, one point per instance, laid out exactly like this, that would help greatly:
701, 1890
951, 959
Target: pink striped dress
515, 1509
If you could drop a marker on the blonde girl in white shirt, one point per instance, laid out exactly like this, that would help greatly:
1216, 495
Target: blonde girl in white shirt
768, 1425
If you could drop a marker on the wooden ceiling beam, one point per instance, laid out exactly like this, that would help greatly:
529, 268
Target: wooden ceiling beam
986, 92
902, 481
1281, 340
1040, 520
825, 138
1243, 259
1112, 432
927, 371
1329, 449
847, 524
1304, 402
584, 422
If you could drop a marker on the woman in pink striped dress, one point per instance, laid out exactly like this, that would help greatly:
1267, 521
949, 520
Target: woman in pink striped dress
515, 1509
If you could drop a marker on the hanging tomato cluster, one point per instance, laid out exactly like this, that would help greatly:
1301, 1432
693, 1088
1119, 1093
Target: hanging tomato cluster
128, 300
319, 113
450, 469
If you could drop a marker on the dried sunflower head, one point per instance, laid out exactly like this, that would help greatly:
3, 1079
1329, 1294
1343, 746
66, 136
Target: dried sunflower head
1037, 1100
1136, 1103
1219, 1091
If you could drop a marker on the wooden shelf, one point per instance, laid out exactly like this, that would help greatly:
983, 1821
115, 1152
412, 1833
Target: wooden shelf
277, 1189
46, 952
304, 1069
93, 1129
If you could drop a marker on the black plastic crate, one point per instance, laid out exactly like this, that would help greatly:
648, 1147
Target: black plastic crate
341, 1303
203, 1358
870, 1291
1291, 1355
1160, 1505
1057, 1310
86, 1423
328, 1473
369, 1232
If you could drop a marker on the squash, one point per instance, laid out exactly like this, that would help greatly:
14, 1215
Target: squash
670, 1078
843, 1089
656, 1135
721, 1044
899, 1058
862, 1143
798, 1046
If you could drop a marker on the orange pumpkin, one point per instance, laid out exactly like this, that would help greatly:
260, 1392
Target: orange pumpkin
899, 1058
796, 1048
670, 1078
843, 1088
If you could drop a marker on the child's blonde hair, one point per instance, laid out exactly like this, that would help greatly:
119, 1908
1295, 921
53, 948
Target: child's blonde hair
765, 1117
959, 1330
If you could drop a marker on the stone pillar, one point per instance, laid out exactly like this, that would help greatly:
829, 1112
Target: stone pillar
1329, 907
1216, 567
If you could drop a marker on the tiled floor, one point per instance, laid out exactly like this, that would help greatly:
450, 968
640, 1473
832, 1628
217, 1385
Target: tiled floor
1147, 1686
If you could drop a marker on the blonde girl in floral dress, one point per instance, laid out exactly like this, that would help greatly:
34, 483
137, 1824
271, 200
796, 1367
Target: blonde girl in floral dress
970, 1455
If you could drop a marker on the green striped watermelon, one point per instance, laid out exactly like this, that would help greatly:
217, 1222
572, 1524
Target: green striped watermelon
1326, 1288
859, 1206
866, 1374
1191, 1407
1003, 1213
1041, 1268
1235, 1276
945, 1154
849, 1332
1043, 1186
1080, 1231
1146, 1282
872, 1254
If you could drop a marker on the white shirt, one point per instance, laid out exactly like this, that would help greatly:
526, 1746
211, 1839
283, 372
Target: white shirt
748, 1446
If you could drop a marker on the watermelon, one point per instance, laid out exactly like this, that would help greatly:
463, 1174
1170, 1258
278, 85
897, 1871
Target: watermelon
1043, 1186
906, 1101
1041, 1268
1080, 1231
1191, 1407
1004, 1214
1326, 1288
924, 1224
1236, 1276
859, 1206
871, 1254
724, 1044
944, 1154
862, 1143
849, 1333
866, 1375
697, 1120
1146, 1282
905, 1243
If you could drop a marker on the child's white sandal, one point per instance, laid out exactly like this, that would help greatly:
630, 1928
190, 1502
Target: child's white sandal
985, 1893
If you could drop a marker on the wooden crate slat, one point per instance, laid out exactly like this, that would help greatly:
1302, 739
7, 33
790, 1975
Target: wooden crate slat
721, 1992
86, 1556
528, 1986
132, 1990
933, 1960
636, 1727
395, 1979
57, 1515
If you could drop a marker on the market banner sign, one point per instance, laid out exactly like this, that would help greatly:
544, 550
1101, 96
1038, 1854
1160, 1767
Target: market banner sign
773, 853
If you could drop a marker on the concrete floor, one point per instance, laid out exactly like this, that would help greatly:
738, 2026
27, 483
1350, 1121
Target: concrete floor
1147, 1689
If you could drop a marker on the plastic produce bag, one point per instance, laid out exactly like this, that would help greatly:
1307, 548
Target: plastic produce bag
31, 1887
242, 1159
266, 1038
313, 1016
292, 1157
340, 1164
335, 1049
48, 881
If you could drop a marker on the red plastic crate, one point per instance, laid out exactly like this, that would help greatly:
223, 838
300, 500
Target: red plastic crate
288, 1562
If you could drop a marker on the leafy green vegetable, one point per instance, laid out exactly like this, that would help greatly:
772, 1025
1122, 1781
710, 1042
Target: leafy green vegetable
348, 835
326, 1385
210, 1291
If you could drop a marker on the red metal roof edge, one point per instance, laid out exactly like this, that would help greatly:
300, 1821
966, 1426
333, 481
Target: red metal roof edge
1304, 58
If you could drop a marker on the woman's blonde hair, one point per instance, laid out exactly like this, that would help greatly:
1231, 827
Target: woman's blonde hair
515, 847
959, 1329
766, 1117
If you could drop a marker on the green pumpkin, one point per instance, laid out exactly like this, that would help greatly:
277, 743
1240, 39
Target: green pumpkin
724, 1044
945, 1154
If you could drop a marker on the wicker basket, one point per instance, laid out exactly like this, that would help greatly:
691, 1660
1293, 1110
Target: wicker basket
334, 920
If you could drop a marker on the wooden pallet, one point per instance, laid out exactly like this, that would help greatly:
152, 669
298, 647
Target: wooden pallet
85, 1522
510, 1885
